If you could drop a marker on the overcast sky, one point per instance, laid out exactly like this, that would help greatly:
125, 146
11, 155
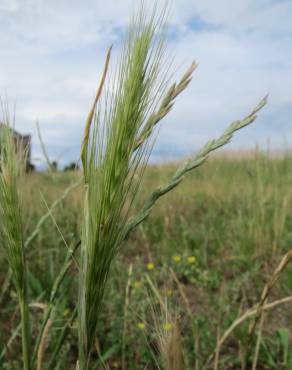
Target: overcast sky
52, 52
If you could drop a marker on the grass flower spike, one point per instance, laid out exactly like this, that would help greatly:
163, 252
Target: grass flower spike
116, 146
11, 228
117, 142
133, 96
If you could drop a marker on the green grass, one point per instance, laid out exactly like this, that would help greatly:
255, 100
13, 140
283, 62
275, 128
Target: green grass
12, 230
226, 215
120, 284
115, 149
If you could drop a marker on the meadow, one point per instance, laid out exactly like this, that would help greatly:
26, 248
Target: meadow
197, 265
122, 265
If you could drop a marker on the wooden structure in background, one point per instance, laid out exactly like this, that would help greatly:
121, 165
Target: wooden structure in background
22, 146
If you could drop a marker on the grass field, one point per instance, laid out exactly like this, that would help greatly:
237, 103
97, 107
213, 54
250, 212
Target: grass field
199, 262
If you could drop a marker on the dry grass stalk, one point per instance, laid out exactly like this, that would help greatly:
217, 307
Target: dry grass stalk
247, 315
88, 124
170, 346
258, 311
43, 343
264, 298
182, 294
44, 150
269, 286
167, 331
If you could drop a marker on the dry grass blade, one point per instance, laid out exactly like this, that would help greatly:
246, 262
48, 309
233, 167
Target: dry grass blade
44, 150
264, 298
247, 315
167, 331
190, 313
156, 292
88, 124
272, 282
170, 345
260, 308
54, 360
43, 343
182, 294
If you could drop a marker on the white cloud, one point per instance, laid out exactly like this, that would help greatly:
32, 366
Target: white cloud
51, 53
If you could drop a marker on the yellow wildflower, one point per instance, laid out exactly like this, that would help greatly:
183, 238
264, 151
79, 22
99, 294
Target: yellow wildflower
137, 284
66, 312
167, 326
169, 292
141, 326
150, 266
192, 260
176, 258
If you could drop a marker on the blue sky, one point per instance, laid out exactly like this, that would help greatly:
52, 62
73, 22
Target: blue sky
52, 52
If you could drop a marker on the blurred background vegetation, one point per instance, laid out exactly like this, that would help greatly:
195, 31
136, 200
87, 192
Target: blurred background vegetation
200, 261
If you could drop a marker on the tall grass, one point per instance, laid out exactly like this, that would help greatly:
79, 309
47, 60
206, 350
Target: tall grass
118, 138
112, 160
11, 167
117, 143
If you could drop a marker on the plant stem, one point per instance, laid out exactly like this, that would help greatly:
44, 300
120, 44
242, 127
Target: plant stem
25, 331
